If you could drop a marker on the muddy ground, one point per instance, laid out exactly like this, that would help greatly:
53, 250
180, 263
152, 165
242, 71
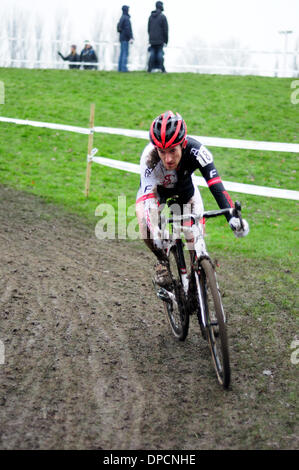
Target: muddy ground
90, 361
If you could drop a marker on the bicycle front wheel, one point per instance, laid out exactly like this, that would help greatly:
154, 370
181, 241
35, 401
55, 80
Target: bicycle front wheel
176, 309
215, 322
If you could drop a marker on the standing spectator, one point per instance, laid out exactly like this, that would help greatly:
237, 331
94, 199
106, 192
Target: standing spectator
158, 37
72, 57
124, 29
88, 55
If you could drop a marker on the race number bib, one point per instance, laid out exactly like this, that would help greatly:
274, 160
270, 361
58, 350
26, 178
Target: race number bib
203, 155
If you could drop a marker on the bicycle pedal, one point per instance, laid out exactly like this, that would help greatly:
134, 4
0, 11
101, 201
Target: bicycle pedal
215, 326
163, 295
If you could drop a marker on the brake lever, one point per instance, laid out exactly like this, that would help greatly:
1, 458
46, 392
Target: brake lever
237, 213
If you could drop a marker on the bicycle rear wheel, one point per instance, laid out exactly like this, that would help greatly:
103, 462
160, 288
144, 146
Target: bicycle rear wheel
215, 322
176, 309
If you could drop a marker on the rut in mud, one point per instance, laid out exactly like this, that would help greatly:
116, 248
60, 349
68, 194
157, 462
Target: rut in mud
90, 362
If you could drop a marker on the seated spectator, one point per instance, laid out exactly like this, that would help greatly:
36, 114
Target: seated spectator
72, 57
88, 55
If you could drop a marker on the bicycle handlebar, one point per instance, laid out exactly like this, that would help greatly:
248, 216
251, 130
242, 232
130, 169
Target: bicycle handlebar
234, 211
216, 213
237, 213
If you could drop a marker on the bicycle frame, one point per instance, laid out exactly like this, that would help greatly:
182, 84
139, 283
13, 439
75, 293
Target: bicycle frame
198, 248
197, 290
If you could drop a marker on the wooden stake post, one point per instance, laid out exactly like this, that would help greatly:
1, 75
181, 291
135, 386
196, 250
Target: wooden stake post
90, 145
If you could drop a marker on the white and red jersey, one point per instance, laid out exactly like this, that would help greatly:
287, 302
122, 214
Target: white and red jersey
157, 184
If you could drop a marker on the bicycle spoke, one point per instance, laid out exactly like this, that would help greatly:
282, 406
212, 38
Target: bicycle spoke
177, 311
215, 323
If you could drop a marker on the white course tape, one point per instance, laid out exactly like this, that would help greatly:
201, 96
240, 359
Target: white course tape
200, 181
48, 125
248, 144
255, 190
126, 132
209, 141
119, 165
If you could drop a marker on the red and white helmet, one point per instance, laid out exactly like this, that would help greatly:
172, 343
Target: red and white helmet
168, 130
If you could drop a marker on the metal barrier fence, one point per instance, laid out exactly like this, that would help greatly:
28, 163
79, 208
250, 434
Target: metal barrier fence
37, 53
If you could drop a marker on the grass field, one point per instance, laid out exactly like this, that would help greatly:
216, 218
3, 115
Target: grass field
52, 165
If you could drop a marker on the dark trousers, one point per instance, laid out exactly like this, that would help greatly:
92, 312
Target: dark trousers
123, 57
156, 59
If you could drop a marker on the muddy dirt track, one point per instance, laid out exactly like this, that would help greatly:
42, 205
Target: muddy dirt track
90, 362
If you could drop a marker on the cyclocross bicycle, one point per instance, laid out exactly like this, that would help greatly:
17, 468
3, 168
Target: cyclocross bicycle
194, 288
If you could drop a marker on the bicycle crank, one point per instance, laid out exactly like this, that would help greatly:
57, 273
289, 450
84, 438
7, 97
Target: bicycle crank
166, 296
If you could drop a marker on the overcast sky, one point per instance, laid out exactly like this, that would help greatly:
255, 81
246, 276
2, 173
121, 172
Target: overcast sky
255, 23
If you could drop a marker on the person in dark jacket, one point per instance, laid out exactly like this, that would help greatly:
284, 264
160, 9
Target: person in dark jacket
88, 55
124, 29
158, 37
72, 57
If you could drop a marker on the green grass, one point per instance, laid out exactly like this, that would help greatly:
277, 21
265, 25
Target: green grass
52, 164
258, 275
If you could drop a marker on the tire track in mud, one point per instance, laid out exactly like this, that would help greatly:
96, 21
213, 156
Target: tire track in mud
90, 361
116, 389
60, 306
88, 345
120, 385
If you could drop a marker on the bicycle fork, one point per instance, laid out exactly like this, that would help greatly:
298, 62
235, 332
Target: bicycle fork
166, 295
202, 303
200, 299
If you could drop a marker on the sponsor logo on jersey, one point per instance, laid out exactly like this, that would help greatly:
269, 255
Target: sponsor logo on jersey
148, 172
169, 180
213, 173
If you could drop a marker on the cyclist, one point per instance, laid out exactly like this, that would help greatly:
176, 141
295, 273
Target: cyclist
167, 165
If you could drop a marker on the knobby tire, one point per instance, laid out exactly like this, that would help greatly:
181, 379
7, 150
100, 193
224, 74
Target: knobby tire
178, 317
217, 335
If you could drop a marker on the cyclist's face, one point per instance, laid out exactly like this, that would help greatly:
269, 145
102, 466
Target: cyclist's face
171, 157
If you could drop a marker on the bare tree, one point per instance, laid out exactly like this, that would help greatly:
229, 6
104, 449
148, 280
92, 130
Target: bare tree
60, 33
11, 31
232, 54
16, 30
100, 34
3, 43
38, 27
295, 59
23, 30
